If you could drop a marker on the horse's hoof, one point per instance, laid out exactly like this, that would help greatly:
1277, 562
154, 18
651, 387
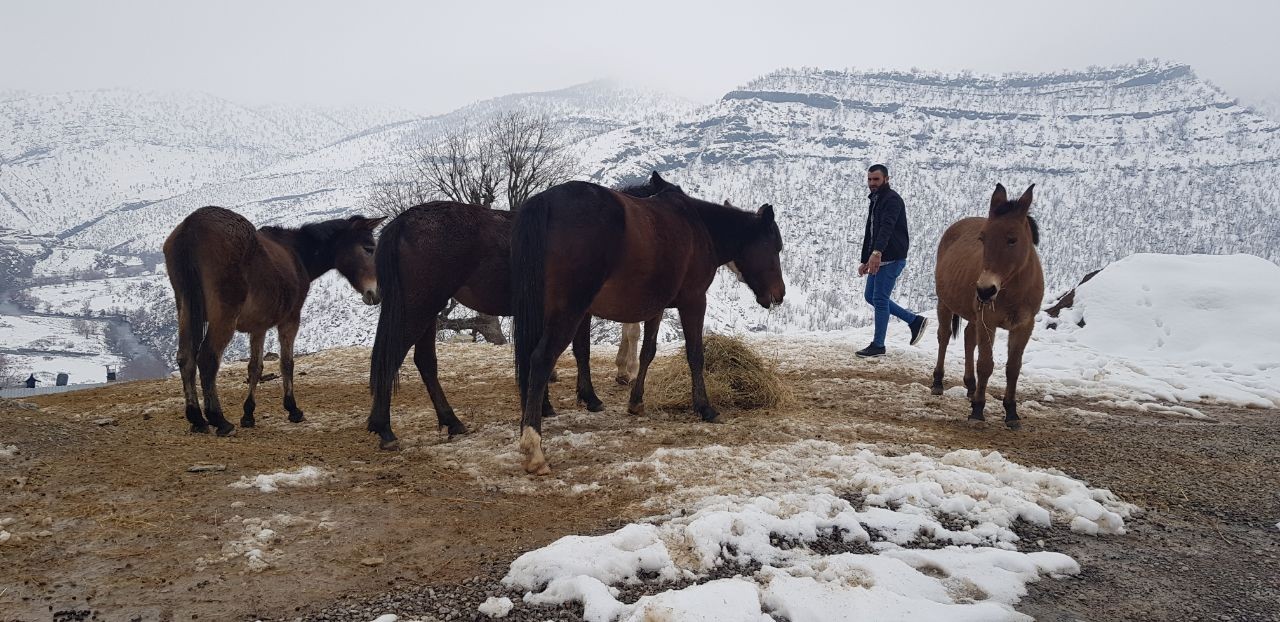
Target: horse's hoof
1013, 424
636, 409
226, 429
623, 380
391, 445
199, 429
592, 405
297, 417
715, 418
456, 429
976, 423
246, 422
936, 389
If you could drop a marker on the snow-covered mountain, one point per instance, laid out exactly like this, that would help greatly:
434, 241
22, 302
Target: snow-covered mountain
69, 159
1145, 157
1129, 159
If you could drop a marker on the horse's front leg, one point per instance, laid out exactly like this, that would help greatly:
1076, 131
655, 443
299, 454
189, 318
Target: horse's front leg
1018, 339
288, 331
648, 350
986, 364
691, 318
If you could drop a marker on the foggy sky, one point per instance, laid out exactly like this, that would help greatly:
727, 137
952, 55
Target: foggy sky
431, 58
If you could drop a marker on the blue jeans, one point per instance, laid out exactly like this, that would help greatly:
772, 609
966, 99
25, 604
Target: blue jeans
879, 286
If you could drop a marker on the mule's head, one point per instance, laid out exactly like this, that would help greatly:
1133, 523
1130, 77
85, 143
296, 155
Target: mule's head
1008, 241
353, 245
757, 263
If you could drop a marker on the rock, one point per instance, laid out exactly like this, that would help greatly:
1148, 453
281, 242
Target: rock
373, 561
104, 421
201, 468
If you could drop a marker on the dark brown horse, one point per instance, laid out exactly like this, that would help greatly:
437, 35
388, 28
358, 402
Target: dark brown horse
579, 249
989, 273
237, 278
427, 255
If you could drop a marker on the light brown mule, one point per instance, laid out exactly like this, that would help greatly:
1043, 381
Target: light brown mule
237, 278
989, 273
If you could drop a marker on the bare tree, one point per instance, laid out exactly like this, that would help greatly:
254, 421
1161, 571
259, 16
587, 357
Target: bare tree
8, 373
515, 153
462, 165
533, 152
394, 195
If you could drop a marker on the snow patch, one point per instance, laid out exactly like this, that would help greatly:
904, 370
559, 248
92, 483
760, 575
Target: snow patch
496, 607
306, 476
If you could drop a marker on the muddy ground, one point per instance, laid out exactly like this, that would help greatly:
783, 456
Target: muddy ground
109, 523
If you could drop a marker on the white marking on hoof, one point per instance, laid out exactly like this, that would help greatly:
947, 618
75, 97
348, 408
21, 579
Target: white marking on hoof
531, 446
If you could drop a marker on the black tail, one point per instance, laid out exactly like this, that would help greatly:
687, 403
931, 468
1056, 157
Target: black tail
528, 283
955, 326
188, 288
388, 342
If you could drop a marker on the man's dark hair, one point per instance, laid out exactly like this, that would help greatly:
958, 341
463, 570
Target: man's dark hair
879, 167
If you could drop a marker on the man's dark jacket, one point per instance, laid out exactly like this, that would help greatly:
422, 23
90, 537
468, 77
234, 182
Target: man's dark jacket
886, 229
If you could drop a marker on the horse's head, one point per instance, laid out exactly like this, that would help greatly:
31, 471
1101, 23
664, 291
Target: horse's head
756, 263
352, 245
1007, 241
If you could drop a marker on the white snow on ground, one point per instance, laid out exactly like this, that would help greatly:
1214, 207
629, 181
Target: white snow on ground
1191, 328
298, 478
496, 607
115, 295
7, 452
1162, 333
752, 504
49, 345
260, 540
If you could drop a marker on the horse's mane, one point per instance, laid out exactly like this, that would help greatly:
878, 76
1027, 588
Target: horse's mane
647, 189
1007, 208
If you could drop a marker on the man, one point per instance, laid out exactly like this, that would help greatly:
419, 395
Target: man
884, 255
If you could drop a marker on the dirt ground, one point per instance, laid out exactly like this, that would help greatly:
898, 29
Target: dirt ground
107, 521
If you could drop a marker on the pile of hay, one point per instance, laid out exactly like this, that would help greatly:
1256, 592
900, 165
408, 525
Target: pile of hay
735, 375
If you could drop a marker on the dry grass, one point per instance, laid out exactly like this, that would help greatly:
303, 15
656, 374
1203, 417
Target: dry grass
736, 377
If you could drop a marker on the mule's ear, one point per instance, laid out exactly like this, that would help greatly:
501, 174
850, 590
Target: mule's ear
657, 181
1024, 201
727, 203
369, 224
999, 197
766, 213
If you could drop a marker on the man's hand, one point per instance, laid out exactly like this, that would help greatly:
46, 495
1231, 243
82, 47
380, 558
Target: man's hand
862, 269
873, 264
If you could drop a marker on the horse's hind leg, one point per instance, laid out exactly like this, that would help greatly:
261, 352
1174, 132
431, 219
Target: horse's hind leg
945, 318
424, 356
1017, 343
255, 374
582, 355
288, 331
648, 349
986, 364
222, 327
560, 329
188, 348
628, 360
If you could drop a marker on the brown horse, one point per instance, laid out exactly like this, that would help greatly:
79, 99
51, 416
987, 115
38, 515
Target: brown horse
236, 278
427, 255
989, 273
579, 249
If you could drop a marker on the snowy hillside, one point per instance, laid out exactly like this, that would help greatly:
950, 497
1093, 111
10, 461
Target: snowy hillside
70, 158
1142, 158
